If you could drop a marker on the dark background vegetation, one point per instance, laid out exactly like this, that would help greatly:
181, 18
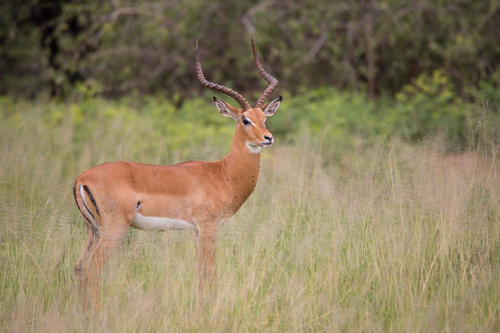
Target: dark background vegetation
361, 67
376, 47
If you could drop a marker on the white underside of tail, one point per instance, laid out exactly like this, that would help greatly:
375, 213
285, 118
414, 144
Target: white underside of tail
87, 212
152, 223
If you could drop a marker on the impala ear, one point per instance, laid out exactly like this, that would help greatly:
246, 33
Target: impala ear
270, 108
226, 109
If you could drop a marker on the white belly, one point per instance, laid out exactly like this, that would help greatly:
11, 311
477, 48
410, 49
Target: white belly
151, 223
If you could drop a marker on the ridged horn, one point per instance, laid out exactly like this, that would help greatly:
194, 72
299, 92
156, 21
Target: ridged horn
237, 97
273, 82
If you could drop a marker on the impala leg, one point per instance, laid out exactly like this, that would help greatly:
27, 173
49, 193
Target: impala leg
205, 258
87, 250
105, 246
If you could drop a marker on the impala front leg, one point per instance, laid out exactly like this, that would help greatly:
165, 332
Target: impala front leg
205, 238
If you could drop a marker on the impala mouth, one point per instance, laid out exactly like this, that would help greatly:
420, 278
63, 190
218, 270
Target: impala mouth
266, 144
255, 147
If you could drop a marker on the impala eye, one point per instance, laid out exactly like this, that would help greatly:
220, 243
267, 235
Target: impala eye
245, 121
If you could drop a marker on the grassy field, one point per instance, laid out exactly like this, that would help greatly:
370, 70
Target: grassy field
387, 237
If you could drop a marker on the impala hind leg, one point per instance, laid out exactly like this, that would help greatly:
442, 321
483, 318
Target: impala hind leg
79, 272
205, 261
106, 244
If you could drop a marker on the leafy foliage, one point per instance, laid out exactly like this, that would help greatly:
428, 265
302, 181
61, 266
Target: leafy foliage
123, 46
428, 106
336, 122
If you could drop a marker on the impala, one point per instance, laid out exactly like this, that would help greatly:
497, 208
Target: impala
200, 196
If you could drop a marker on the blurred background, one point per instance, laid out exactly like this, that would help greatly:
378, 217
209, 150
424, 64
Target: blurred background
377, 209
372, 47
359, 67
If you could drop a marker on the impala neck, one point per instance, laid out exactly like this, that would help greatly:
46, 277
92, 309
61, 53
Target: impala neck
242, 167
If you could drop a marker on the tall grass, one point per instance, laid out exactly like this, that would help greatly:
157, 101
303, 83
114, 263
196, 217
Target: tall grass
394, 237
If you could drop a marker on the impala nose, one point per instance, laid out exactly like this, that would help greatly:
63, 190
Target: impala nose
269, 141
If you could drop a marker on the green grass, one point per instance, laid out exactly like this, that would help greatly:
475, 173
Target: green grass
390, 237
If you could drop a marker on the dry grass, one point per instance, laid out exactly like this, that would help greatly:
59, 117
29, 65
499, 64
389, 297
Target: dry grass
396, 238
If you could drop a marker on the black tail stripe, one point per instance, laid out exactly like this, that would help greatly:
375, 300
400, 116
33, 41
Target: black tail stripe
85, 187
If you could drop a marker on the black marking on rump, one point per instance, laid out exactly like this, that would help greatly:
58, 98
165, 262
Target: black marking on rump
94, 230
85, 187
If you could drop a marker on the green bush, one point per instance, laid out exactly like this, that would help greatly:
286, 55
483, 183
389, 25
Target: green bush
429, 106
334, 122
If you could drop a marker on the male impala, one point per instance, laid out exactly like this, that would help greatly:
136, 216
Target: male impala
199, 196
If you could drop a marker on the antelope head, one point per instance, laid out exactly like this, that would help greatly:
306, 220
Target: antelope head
252, 121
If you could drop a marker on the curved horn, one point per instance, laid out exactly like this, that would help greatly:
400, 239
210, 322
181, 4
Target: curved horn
273, 82
241, 101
